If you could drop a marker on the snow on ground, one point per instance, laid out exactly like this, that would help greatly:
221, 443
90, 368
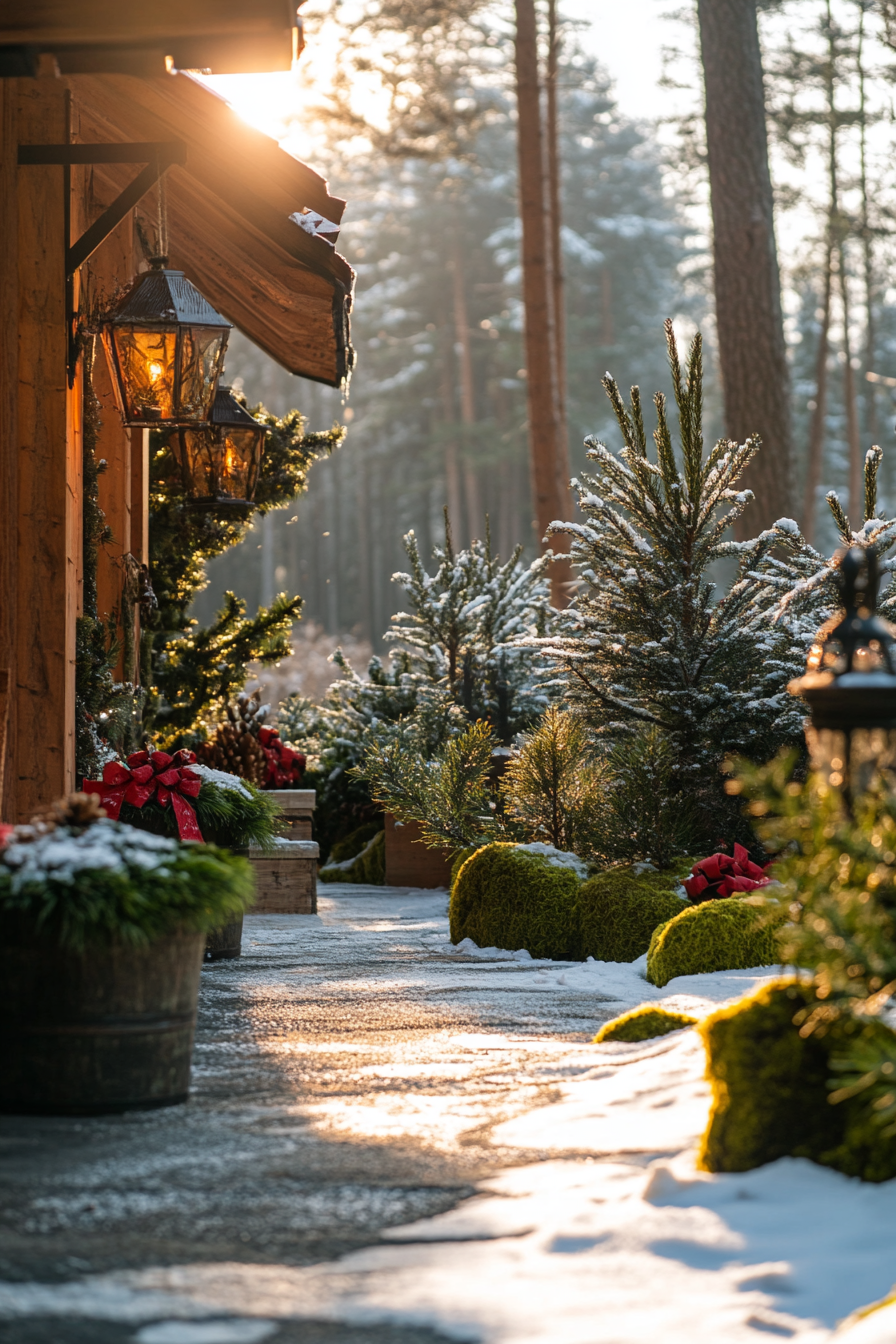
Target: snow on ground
611, 1237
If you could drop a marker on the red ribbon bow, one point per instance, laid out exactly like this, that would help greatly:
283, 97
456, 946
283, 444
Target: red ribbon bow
721, 875
168, 779
284, 767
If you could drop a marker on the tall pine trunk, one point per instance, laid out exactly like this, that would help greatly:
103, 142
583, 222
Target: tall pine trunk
752, 352
467, 388
816, 427
856, 474
550, 501
555, 224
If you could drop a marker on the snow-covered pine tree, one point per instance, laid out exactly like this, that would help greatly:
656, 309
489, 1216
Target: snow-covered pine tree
647, 643
463, 633
796, 586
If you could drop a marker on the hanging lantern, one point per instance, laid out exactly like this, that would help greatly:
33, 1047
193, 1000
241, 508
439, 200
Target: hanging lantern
850, 683
220, 461
165, 345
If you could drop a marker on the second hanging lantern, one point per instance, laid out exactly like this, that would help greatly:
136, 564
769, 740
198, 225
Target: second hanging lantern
220, 461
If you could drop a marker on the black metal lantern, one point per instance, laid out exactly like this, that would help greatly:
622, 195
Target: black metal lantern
220, 460
165, 345
850, 682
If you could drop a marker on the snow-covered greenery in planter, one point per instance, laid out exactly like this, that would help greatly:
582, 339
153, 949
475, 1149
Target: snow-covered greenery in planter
102, 933
86, 880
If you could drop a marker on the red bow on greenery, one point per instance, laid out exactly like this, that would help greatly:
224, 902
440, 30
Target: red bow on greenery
284, 766
721, 875
152, 775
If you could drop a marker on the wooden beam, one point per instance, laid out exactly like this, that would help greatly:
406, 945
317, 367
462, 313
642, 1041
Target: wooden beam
51, 22
48, 494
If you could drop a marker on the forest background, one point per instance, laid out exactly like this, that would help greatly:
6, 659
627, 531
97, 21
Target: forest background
437, 407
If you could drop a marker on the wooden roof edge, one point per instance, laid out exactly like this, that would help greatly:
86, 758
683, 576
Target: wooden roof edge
316, 184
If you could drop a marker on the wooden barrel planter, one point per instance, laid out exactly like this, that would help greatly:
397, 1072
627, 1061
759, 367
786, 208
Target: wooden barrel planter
285, 878
105, 1030
224, 943
410, 863
296, 808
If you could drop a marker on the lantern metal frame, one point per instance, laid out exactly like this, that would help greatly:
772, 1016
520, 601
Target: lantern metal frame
164, 306
158, 155
230, 430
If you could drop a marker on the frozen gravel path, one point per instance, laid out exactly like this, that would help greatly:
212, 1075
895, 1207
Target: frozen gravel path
393, 1142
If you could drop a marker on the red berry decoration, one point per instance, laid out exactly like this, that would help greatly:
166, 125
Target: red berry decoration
723, 875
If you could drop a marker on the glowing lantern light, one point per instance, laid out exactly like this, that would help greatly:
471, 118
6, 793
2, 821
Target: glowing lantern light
165, 346
220, 461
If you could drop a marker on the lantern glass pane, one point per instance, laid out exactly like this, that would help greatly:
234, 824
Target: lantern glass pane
851, 758
219, 463
146, 359
239, 467
198, 458
201, 357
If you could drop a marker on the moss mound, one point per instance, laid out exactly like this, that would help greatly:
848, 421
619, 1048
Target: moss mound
457, 863
770, 1094
725, 935
619, 909
350, 846
506, 897
367, 868
642, 1024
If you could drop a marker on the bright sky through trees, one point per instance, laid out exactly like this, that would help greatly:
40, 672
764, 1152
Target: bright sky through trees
626, 38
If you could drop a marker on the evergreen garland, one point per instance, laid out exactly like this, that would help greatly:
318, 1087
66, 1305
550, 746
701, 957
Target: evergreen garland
104, 708
191, 670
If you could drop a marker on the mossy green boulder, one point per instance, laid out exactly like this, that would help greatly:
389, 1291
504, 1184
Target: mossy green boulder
506, 896
619, 909
366, 866
725, 935
770, 1090
642, 1024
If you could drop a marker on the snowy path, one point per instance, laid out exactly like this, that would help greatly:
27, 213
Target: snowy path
391, 1142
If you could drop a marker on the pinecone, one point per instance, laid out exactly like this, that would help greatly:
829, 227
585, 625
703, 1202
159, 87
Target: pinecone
234, 746
75, 809
235, 750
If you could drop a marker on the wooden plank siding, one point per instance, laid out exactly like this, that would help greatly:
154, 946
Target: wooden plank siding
46, 442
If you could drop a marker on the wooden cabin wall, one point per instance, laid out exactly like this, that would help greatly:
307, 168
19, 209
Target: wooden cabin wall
41, 448
41, 456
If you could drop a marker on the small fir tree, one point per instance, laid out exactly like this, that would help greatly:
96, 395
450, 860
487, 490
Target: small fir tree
464, 630
189, 670
647, 643
551, 785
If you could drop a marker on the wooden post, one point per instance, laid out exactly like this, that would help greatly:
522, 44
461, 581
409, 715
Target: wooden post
48, 516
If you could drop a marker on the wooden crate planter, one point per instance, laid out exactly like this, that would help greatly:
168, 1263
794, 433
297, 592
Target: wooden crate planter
409, 863
296, 807
285, 878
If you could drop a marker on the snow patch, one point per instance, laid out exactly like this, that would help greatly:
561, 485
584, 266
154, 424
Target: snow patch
222, 779
61, 855
557, 858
